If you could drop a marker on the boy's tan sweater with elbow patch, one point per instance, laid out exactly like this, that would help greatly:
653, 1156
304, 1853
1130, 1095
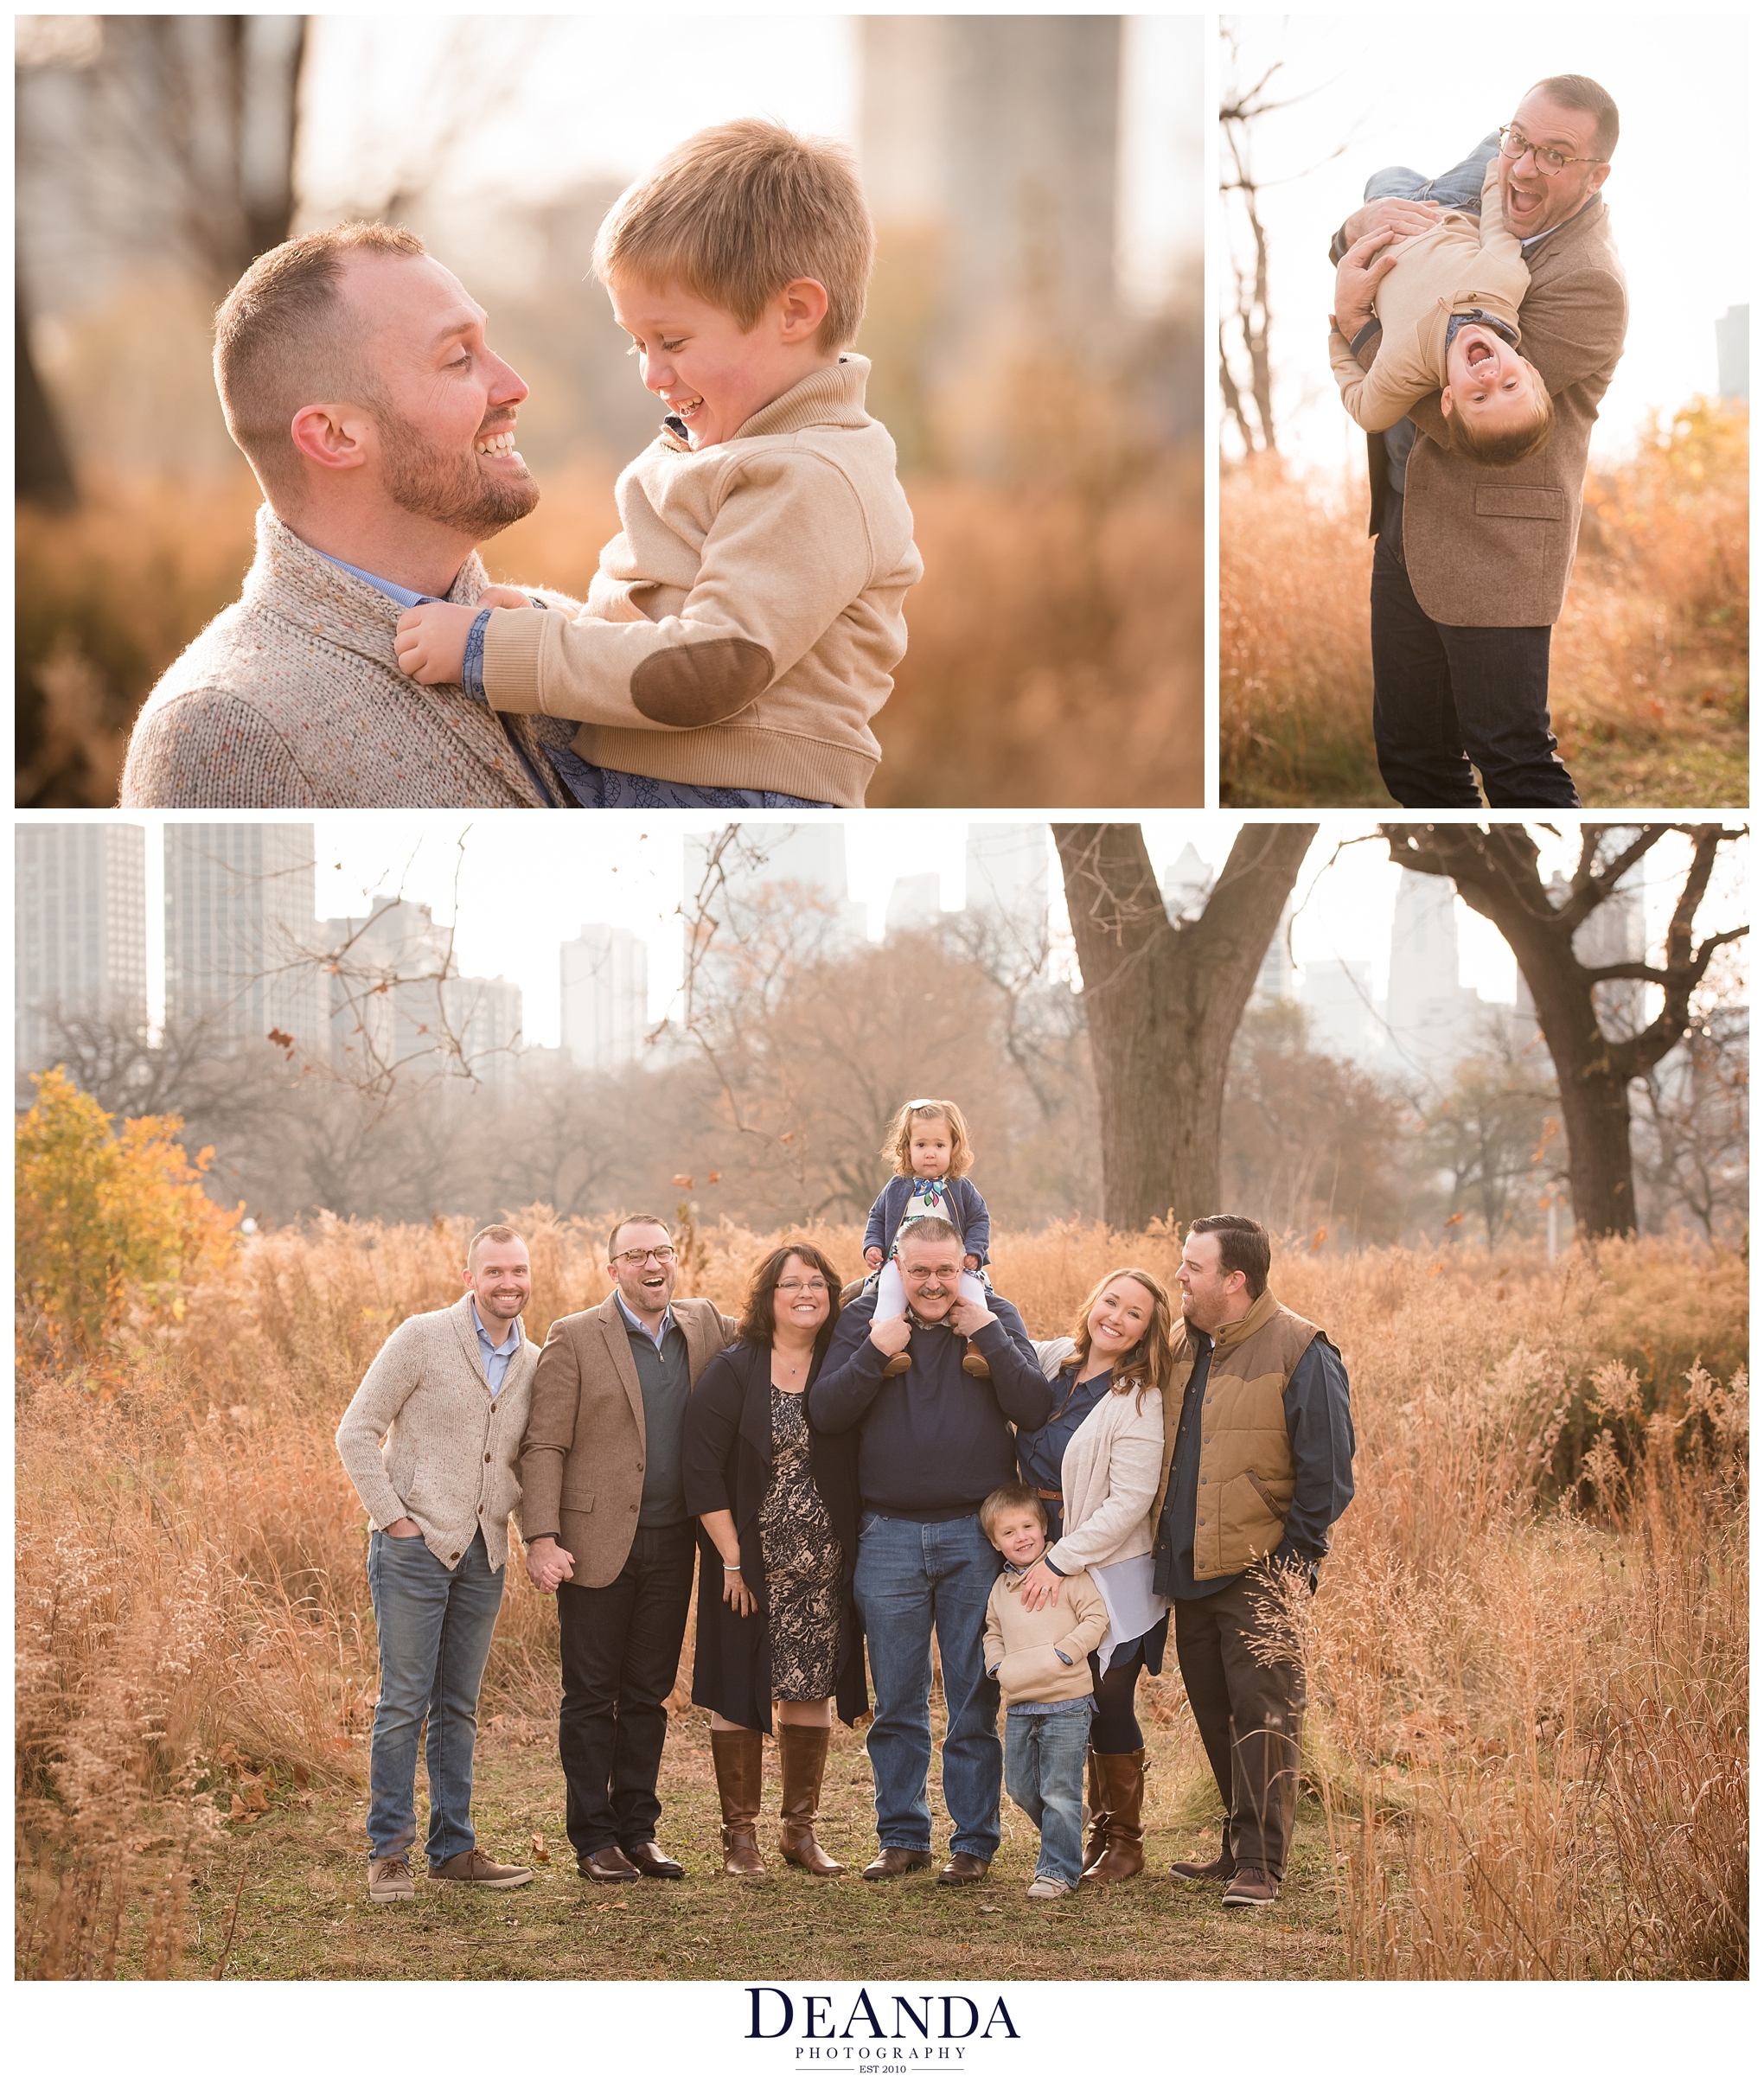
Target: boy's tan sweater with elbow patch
743, 625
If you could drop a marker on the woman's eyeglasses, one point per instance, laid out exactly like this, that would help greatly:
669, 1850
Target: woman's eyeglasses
802, 1287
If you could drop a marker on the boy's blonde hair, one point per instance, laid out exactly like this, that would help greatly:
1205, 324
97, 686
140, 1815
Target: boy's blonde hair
739, 211
1011, 1496
898, 1146
1500, 445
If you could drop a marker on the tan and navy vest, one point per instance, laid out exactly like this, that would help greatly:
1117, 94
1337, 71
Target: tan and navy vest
1246, 1458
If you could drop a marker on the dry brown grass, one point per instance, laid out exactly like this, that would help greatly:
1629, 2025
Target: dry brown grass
1648, 666
1528, 1660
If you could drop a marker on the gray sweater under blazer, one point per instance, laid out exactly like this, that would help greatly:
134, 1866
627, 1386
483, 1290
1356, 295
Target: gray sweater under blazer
451, 1454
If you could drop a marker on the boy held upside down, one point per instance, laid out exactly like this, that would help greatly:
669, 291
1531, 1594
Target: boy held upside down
744, 623
1448, 301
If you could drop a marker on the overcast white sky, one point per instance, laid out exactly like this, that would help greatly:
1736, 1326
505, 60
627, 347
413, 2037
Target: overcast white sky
605, 92
1419, 90
526, 884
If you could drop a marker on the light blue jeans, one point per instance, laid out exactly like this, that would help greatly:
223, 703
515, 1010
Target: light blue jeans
1460, 188
435, 1625
1044, 1775
910, 1578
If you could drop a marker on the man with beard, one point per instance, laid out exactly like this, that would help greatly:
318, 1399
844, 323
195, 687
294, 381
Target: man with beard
355, 376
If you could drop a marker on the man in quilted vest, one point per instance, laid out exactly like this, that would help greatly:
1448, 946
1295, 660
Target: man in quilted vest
1258, 1458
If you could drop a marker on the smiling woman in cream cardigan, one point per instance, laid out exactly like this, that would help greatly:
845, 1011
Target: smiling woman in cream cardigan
1095, 1464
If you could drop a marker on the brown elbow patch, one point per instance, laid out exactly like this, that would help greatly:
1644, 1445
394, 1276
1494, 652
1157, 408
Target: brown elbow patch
690, 685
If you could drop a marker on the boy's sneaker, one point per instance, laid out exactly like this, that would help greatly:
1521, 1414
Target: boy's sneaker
1250, 1887
389, 1880
1043, 1889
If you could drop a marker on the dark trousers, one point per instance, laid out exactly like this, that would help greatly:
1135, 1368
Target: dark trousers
1445, 699
620, 1650
1249, 1714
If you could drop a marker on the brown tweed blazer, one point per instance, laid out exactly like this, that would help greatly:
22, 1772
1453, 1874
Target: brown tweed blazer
292, 698
1493, 548
582, 1459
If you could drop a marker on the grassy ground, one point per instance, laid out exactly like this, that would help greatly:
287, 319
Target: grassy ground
303, 1912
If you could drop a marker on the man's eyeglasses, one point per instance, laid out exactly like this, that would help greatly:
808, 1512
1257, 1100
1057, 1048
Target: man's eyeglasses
802, 1287
635, 1258
1514, 144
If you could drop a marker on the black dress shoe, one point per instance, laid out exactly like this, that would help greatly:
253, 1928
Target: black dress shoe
654, 1863
609, 1862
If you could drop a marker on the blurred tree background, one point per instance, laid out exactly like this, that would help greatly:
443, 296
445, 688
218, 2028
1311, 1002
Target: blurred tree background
1033, 319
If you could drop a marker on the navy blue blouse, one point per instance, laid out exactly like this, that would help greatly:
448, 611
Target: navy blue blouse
1039, 1453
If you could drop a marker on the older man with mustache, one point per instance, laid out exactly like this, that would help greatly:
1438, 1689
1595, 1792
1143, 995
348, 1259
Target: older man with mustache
1472, 561
933, 1442
355, 376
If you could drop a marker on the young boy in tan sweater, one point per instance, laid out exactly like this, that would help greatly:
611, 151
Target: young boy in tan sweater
1042, 1662
744, 624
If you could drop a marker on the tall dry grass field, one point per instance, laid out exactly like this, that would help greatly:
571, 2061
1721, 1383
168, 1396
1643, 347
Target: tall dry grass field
1527, 1664
1649, 678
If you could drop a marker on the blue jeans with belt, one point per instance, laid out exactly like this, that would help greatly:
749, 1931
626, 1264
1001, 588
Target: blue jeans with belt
435, 1625
911, 1578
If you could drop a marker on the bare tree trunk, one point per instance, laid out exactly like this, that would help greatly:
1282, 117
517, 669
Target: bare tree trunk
1164, 1003
42, 470
1495, 868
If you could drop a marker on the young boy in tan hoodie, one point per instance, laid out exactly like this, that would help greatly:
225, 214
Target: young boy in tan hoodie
1042, 1662
744, 624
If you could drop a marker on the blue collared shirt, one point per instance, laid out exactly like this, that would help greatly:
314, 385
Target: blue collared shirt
401, 594
636, 1322
495, 1357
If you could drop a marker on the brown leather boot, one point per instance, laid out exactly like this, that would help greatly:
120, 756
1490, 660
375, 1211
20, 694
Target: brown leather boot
737, 1753
803, 1759
1097, 1841
1124, 1790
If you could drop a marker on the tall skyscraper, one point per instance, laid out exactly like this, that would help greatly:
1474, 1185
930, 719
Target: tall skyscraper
395, 1004
1007, 887
1431, 1017
1187, 884
781, 884
240, 933
79, 930
915, 904
604, 998
1337, 998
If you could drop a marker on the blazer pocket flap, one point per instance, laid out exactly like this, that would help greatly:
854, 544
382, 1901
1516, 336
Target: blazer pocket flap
580, 1505
1521, 501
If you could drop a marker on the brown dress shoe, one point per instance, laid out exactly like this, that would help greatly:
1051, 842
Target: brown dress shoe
803, 1759
893, 1862
1123, 1794
738, 1753
609, 1862
964, 1870
653, 1861
475, 1870
1250, 1887
1221, 1868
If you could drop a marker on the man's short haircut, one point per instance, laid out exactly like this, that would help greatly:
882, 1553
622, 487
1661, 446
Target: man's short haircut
1010, 1496
498, 1232
897, 1146
627, 1222
1498, 446
1575, 90
286, 337
739, 211
927, 1228
1243, 1248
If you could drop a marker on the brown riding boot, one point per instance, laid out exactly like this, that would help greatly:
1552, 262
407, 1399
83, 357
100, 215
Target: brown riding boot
737, 1753
802, 1758
1097, 1841
1124, 1789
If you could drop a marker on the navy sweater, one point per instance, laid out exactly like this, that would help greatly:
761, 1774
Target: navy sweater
970, 1217
934, 1442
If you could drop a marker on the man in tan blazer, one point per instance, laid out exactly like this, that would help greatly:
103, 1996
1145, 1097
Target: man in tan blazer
1472, 561
604, 1514
430, 1441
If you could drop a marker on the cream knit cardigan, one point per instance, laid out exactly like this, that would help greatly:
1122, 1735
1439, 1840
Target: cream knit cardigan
292, 698
1109, 1476
451, 1450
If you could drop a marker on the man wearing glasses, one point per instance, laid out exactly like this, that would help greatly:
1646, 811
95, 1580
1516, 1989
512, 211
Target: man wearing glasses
1472, 561
604, 1517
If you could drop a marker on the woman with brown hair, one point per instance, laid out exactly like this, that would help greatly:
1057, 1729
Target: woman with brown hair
1095, 1464
777, 1503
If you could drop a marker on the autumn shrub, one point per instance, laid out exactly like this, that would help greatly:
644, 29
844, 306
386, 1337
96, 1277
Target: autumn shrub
1533, 1622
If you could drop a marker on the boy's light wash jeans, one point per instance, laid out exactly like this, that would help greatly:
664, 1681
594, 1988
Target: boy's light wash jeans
909, 1578
1044, 1775
435, 1625
1458, 188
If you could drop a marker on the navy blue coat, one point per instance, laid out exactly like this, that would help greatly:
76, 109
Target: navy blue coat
971, 1218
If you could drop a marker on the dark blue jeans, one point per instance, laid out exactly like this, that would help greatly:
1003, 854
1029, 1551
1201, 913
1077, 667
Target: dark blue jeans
910, 1578
1446, 700
435, 1625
